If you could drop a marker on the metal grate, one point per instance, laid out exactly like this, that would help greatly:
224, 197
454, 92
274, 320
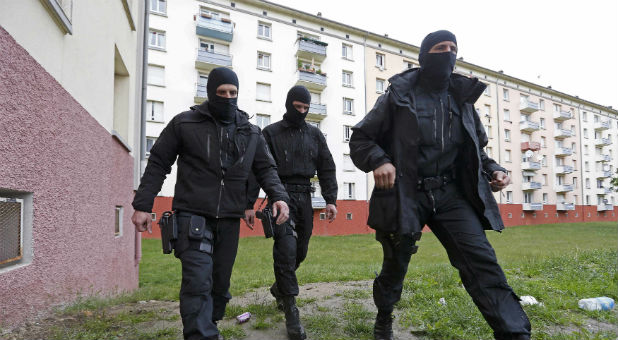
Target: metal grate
11, 248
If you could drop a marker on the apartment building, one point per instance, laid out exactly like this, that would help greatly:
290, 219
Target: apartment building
69, 133
545, 138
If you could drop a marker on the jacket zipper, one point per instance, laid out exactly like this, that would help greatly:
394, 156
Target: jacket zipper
222, 173
442, 125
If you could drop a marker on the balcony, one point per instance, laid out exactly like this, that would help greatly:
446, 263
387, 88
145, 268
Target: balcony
565, 206
530, 186
605, 207
530, 166
563, 133
564, 169
604, 158
563, 152
604, 174
534, 146
318, 202
562, 116
209, 60
207, 26
601, 125
528, 107
528, 126
311, 49
316, 111
311, 80
602, 142
532, 206
604, 191
200, 93
564, 187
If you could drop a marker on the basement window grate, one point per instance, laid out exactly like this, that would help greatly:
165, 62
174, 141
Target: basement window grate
11, 230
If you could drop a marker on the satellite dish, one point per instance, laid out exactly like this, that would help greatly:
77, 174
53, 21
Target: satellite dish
529, 153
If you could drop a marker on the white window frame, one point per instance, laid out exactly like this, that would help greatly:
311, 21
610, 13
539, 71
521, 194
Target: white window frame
118, 217
151, 141
347, 133
349, 190
158, 5
156, 81
269, 92
347, 51
380, 57
264, 60
264, 30
345, 106
348, 165
151, 115
380, 81
262, 120
347, 78
507, 115
159, 39
507, 135
505, 95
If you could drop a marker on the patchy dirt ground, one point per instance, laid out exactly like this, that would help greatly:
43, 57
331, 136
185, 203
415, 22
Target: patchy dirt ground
330, 310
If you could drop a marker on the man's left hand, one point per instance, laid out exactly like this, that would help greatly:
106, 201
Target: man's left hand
249, 218
281, 211
331, 212
500, 181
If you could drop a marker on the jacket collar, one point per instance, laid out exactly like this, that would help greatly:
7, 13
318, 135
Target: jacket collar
287, 124
464, 89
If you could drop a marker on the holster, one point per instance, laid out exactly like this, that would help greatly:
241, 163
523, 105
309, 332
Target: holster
169, 231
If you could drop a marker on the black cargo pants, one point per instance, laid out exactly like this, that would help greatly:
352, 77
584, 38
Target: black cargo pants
292, 242
204, 291
459, 229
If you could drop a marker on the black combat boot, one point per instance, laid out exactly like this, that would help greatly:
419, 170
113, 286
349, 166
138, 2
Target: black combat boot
274, 291
383, 329
292, 319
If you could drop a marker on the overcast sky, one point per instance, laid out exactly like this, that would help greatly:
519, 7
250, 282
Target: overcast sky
571, 45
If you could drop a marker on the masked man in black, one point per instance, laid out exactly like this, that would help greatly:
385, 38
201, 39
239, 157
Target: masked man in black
217, 149
299, 150
424, 143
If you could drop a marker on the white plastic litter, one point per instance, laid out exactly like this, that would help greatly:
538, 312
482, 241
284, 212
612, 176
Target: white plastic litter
528, 300
442, 301
597, 303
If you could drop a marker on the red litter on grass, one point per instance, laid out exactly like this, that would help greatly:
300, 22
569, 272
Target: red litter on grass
244, 317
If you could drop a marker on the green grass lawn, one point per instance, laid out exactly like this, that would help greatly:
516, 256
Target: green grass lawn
557, 263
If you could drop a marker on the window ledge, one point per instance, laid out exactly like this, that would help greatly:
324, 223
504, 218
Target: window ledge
348, 86
157, 48
161, 14
348, 59
155, 121
157, 85
265, 38
264, 69
263, 100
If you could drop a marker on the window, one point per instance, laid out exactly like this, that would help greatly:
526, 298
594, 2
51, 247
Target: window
263, 61
322, 216
541, 105
543, 160
153, 216
487, 91
488, 131
509, 197
573, 147
379, 85
264, 30
347, 163
207, 46
150, 141
545, 198
585, 116
12, 231
315, 98
585, 149
588, 202
507, 135
556, 108
544, 179
487, 111
262, 120
542, 123
489, 152
543, 142
586, 166
408, 65
349, 191
507, 156
505, 94
158, 6
348, 106
154, 111
380, 60
156, 75
347, 132
507, 115
262, 92
206, 13
156, 39
346, 51
346, 78
348, 216
118, 223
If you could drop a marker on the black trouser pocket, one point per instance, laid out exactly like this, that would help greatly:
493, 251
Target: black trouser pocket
383, 210
200, 231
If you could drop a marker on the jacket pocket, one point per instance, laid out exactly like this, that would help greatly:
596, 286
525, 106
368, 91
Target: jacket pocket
383, 210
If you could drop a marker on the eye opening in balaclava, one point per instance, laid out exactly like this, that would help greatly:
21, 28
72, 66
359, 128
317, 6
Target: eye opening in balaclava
292, 115
222, 109
436, 68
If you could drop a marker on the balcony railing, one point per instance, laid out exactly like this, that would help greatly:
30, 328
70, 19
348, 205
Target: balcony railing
601, 125
317, 111
562, 115
200, 93
311, 80
605, 191
532, 206
563, 206
564, 187
530, 186
563, 133
604, 174
534, 146
604, 158
605, 207
318, 202
530, 166
206, 26
311, 49
528, 107
529, 126
602, 142
208, 60
564, 152
564, 169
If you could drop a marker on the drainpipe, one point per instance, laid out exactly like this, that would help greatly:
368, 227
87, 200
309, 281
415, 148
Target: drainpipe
499, 137
142, 133
367, 193
581, 161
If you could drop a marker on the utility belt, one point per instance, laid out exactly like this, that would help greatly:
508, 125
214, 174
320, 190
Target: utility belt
198, 228
299, 188
435, 182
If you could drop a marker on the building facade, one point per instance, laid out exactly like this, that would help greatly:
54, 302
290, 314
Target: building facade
70, 101
557, 147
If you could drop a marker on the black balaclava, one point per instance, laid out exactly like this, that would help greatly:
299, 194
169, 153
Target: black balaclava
296, 93
436, 68
222, 109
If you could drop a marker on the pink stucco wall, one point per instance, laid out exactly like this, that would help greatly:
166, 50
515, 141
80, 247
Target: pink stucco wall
77, 173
